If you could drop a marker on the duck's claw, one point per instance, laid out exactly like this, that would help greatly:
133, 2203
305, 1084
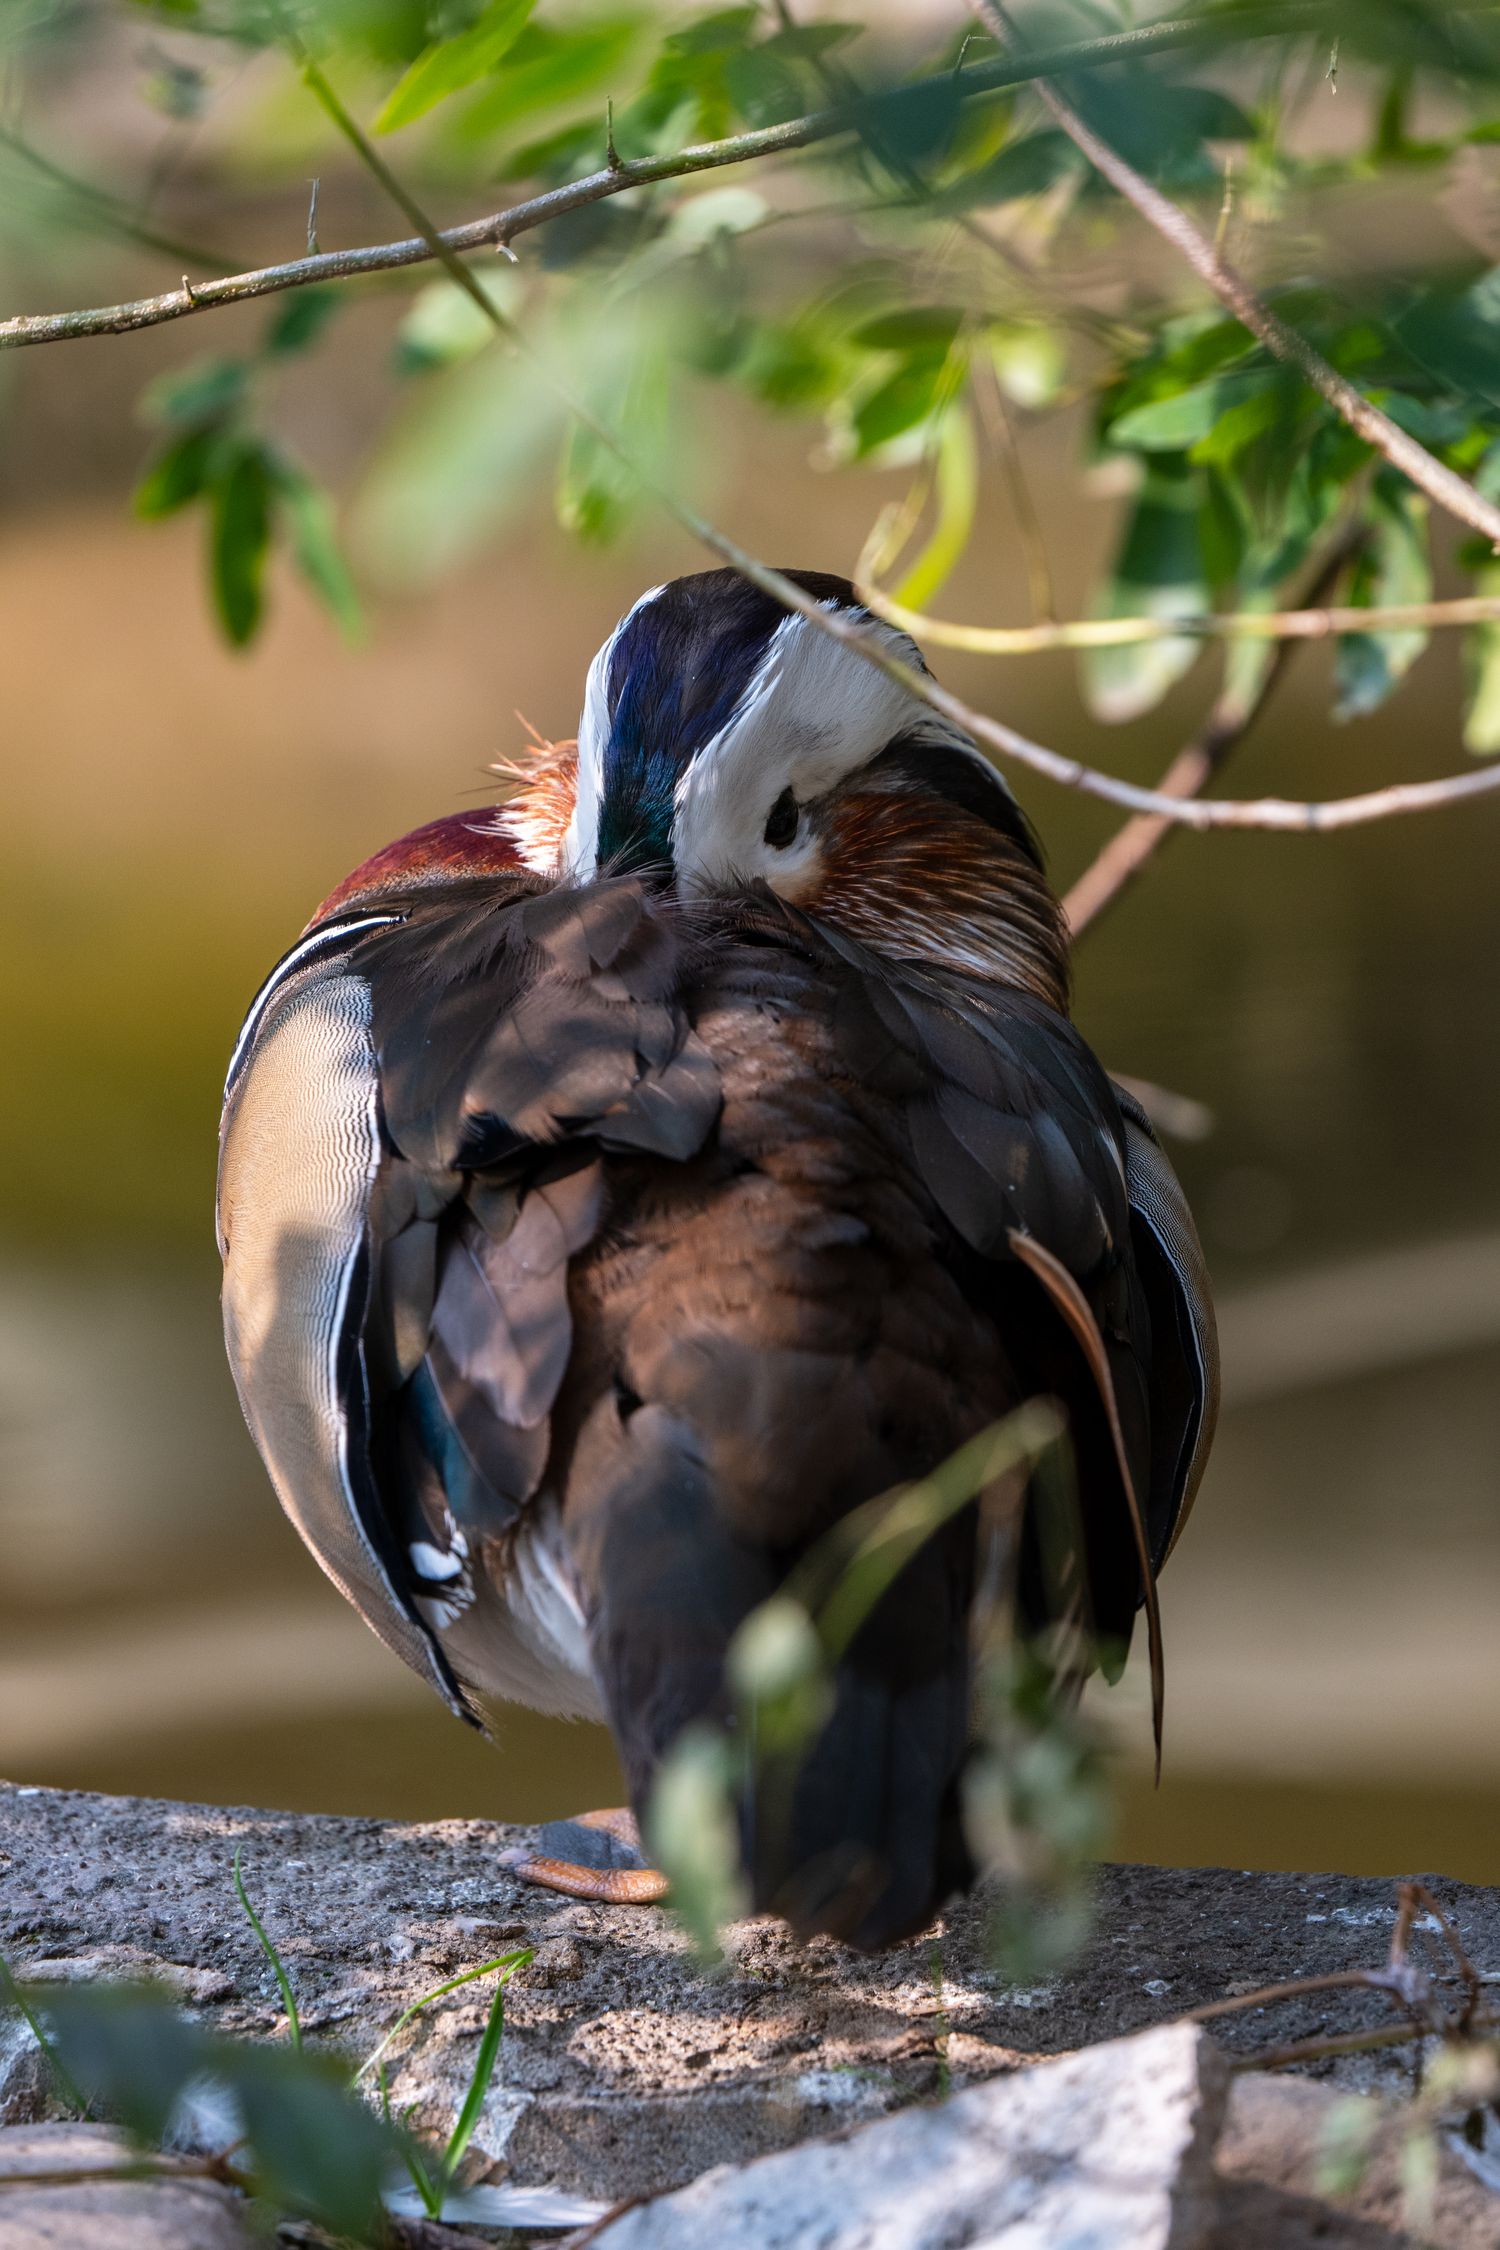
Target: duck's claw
596, 1855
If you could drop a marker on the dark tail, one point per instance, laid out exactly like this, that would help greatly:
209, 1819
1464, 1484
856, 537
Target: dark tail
862, 1838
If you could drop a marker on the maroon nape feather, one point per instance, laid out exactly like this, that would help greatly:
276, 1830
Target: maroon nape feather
458, 844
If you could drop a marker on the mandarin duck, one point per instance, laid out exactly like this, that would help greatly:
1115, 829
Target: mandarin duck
620, 1187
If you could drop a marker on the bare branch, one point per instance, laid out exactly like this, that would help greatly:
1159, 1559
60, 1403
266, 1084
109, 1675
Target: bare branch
1110, 874
1287, 815
1071, 773
1450, 491
1313, 624
502, 227
1234, 713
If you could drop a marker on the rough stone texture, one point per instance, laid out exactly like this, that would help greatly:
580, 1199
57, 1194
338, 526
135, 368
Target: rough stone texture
1269, 2162
625, 2070
1109, 2149
106, 2214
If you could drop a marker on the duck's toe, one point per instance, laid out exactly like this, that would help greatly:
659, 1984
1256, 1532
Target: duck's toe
596, 1855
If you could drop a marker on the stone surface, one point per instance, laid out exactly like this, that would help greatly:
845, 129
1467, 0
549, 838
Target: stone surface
106, 2214
1271, 2197
1108, 2149
625, 2070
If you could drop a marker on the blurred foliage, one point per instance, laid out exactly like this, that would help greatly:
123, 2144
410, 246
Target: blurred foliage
877, 286
1036, 1795
300, 2140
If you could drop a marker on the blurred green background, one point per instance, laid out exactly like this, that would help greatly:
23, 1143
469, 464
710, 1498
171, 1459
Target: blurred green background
172, 813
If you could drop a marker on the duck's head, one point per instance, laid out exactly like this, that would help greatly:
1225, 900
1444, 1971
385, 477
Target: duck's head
726, 743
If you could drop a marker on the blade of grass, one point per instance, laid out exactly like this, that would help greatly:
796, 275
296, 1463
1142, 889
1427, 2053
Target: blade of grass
288, 1997
479, 2084
72, 2092
506, 1962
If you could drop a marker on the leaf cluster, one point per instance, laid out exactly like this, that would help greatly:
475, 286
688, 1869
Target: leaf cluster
216, 455
903, 288
304, 2140
1036, 1796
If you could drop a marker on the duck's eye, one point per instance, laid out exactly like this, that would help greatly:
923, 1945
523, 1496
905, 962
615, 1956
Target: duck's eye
781, 821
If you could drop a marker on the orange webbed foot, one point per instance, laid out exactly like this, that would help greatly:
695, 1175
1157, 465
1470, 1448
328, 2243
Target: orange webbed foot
596, 1855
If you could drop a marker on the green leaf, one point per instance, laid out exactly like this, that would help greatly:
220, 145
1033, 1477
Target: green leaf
128, 2049
1161, 128
1030, 363
1158, 572
1482, 670
917, 328
1395, 567
1026, 167
549, 71
283, 1981
300, 321
957, 489
794, 368
206, 392
178, 475
507, 1962
12, 1994
693, 1836
1217, 418
240, 533
449, 65
1169, 425
445, 326
1457, 339
483, 2072
1262, 406
904, 127
906, 397
316, 2147
315, 548
467, 455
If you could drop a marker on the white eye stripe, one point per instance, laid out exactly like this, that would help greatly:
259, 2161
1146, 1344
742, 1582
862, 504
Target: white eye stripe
813, 715
760, 687
580, 850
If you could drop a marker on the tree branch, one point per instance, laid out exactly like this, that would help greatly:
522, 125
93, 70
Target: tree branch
1122, 859
1312, 624
502, 227
1270, 812
1287, 815
1450, 491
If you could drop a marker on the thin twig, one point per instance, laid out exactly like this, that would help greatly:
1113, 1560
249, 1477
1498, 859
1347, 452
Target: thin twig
997, 423
102, 210
1234, 713
1172, 223
502, 227
144, 2167
1401, 1981
1313, 624
1286, 815
1335, 2043
1275, 813
1118, 863
1294, 1988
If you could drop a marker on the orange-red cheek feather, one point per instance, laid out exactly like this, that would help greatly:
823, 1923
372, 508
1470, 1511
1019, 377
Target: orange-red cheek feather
918, 878
536, 818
